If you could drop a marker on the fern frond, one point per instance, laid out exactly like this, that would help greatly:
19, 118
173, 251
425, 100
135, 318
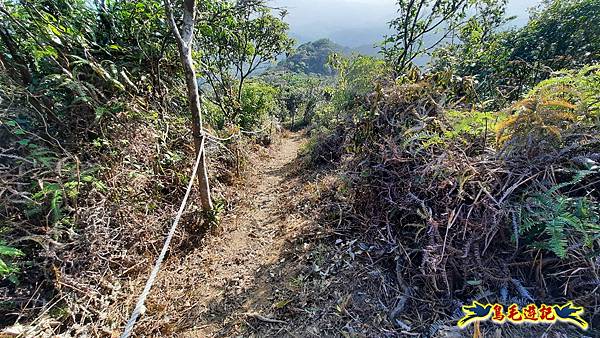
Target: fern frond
553, 130
558, 104
557, 242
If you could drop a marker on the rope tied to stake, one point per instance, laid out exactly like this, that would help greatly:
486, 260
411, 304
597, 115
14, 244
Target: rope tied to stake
139, 307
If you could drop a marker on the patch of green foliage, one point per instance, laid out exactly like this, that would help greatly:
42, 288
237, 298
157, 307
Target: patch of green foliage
464, 127
560, 35
358, 77
258, 101
559, 223
422, 25
472, 123
570, 101
580, 87
7, 268
299, 95
240, 40
509, 63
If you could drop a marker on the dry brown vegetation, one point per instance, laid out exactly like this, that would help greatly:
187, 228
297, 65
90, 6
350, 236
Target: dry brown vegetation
453, 213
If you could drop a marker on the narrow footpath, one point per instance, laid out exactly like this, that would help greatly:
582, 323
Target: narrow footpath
250, 275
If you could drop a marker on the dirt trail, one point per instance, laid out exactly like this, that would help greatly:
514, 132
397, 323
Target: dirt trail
240, 276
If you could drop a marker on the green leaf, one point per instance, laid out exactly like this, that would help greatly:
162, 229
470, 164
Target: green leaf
10, 251
13, 279
281, 304
99, 185
54, 30
56, 204
4, 269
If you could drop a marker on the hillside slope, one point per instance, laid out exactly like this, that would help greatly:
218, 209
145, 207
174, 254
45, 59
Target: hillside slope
311, 57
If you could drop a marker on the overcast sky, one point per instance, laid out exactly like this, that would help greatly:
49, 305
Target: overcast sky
356, 22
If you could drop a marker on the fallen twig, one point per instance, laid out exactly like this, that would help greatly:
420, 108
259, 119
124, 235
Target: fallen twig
263, 318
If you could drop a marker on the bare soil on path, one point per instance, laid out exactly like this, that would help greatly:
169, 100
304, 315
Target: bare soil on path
261, 271
285, 261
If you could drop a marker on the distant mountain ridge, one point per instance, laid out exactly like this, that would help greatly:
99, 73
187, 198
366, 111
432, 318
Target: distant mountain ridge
311, 57
356, 23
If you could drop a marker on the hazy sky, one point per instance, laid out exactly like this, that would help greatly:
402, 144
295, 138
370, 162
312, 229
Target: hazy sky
356, 22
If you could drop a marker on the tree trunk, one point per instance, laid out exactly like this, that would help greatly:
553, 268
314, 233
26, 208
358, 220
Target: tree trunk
185, 38
194, 103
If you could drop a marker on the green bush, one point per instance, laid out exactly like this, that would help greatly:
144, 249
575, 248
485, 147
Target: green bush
358, 77
561, 35
555, 107
258, 100
214, 115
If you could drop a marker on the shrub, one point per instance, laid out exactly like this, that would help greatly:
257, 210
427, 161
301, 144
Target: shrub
358, 77
509, 63
559, 223
258, 100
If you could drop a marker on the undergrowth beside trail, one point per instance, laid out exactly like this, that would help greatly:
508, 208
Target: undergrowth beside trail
87, 195
96, 150
495, 206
